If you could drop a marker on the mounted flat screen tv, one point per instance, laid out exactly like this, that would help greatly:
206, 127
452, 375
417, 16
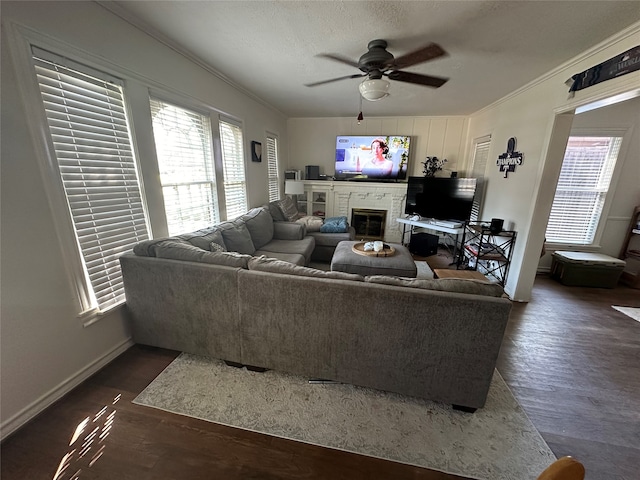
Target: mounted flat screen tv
440, 198
372, 158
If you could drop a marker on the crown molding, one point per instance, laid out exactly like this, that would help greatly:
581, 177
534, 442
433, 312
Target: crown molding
144, 27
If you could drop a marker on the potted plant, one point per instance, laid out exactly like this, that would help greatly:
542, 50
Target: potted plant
432, 165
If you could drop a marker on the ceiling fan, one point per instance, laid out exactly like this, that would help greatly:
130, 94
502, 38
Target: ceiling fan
378, 62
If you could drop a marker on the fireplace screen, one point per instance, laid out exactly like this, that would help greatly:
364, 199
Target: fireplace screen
369, 224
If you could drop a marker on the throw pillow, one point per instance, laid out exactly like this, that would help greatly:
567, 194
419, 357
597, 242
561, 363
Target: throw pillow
455, 285
289, 209
216, 247
335, 225
313, 223
273, 265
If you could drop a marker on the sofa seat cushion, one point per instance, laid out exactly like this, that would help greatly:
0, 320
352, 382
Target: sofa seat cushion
302, 247
332, 239
293, 258
273, 265
260, 225
456, 285
237, 237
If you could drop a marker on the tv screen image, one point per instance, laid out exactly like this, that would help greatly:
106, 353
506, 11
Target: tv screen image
375, 157
440, 198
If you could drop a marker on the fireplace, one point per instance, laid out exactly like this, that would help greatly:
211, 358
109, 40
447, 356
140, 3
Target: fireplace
368, 223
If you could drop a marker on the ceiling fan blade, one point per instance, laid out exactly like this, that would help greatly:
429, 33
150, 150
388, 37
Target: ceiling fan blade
338, 58
322, 82
417, 78
426, 53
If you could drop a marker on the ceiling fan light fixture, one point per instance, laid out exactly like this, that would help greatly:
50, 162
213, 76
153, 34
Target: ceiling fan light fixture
374, 90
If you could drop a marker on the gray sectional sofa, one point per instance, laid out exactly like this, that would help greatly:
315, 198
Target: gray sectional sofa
433, 339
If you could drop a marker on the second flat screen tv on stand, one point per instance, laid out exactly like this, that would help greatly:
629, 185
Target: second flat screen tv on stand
440, 198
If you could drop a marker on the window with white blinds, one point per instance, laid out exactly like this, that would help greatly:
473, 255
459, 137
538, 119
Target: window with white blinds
92, 144
582, 188
480, 157
183, 146
234, 183
272, 168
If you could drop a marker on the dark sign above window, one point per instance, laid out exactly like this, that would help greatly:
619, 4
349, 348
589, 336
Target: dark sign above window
622, 64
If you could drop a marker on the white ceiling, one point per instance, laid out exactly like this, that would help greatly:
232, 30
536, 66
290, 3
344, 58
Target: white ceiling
269, 47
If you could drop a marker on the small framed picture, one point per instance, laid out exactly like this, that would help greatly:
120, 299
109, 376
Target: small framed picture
256, 151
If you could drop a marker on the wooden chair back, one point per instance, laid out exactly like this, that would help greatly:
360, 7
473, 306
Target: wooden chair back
565, 468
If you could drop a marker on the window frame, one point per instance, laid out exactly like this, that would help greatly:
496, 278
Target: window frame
273, 165
481, 185
88, 310
595, 245
153, 96
220, 164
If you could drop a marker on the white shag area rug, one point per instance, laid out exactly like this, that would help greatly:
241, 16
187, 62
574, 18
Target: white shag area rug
632, 312
497, 442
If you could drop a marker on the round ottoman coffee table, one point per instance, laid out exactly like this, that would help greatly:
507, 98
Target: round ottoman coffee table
400, 264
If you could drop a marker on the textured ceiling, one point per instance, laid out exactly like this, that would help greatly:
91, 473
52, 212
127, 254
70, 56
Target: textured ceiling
269, 47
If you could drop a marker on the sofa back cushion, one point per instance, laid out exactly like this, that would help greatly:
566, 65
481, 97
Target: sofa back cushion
179, 250
276, 212
203, 238
455, 285
260, 225
273, 265
237, 237
147, 248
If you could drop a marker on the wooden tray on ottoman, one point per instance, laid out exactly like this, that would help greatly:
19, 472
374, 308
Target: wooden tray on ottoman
386, 252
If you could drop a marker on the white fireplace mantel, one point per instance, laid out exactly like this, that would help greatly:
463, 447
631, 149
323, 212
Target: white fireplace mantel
343, 197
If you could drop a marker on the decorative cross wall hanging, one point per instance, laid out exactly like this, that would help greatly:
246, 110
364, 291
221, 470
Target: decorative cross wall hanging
507, 161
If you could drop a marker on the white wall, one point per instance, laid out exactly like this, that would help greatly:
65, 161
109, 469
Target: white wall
312, 141
625, 185
524, 198
45, 350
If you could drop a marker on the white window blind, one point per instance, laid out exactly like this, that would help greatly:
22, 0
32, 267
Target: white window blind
235, 189
183, 146
480, 157
272, 168
92, 144
582, 188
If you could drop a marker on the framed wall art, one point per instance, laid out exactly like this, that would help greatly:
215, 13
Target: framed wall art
256, 151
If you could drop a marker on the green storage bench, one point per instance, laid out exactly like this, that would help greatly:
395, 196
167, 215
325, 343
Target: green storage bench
582, 269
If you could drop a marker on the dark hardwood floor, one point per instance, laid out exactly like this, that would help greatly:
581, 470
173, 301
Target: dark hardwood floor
570, 359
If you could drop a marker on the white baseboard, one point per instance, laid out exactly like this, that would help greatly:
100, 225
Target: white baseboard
30, 411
